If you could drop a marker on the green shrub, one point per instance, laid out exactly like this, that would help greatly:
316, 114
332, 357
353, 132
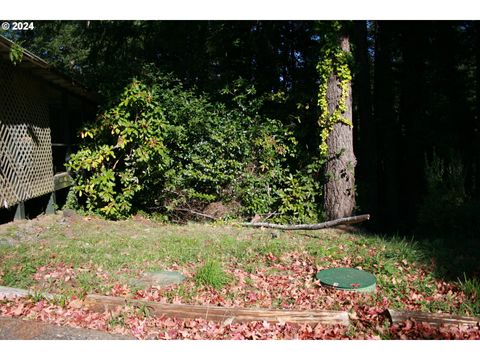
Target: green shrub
161, 147
300, 197
123, 153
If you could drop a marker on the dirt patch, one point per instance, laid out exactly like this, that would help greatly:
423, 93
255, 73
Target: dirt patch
220, 210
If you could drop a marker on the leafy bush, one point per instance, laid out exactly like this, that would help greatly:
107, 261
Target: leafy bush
298, 200
124, 153
161, 147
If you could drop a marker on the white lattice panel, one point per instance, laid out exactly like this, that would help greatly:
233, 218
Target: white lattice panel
25, 143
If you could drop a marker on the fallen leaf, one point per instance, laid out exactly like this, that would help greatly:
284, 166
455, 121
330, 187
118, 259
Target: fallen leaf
228, 322
76, 304
18, 310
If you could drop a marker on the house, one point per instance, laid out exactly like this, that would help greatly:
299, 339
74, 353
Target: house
41, 110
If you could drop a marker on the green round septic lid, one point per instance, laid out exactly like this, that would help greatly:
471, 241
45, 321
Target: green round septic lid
348, 279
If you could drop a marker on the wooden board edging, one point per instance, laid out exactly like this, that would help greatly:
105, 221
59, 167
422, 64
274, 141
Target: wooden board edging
101, 303
436, 319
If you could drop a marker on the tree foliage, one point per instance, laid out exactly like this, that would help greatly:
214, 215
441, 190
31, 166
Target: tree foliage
415, 94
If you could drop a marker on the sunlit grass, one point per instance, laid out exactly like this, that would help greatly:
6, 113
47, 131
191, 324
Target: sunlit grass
124, 249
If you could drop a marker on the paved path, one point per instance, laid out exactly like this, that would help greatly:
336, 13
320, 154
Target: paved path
10, 293
18, 329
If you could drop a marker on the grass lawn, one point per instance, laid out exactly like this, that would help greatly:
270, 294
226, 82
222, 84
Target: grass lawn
229, 266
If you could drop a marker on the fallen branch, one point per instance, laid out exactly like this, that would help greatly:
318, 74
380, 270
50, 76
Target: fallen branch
397, 316
196, 213
269, 215
327, 224
101, 303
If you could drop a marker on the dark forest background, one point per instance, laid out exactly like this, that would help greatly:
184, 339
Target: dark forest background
416, 97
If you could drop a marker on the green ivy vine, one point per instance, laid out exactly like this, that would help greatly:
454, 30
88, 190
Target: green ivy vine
333, 62
16, 54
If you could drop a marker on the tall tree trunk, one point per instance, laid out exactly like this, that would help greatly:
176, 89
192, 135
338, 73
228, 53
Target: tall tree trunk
339, 190
365, 139
385, 129
476, 127
412, 117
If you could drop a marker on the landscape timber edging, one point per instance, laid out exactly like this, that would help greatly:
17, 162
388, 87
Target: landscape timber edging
220, 314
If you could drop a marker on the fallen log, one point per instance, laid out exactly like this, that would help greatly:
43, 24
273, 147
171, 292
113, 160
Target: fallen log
327, 224
397, 316
101, 303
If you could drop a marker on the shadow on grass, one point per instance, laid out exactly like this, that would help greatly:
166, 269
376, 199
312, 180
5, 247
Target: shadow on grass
455, 257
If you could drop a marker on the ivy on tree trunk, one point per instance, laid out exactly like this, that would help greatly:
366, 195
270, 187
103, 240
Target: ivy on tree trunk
337, 133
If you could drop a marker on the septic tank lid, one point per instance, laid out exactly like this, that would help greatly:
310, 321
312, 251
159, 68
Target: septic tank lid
347, 279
